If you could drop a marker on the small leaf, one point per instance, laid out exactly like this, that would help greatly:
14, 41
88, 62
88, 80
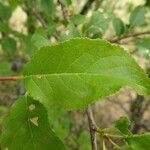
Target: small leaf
4, 27
5, 11
94, 32
14, 3
143, 45
71, 32
118, 26
5, 68
39, 38
123, 125
139, 142
135, 142
29, 45
78, 19
137, 17
74, 73
51, 28
97, 20
48, 7
9, 46
66, 2
3, 111
28, 129
84, 140
144, 42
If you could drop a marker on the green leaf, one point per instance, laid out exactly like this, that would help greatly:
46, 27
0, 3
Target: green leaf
144, 42
66, 2
139, 142
3, 111
118, 26
26, 127
4, 27
51, 28
39, 38
29, 45
94, 32
48, 7
143, 45
5, 11
74, 73
123, 125
59, 121
78, 19
14, 3
135, 142
5, 68
71, 32
97, 20
137, 17
84, 141
9, 46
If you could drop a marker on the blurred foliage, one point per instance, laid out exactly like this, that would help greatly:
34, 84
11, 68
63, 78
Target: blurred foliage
137, 17
49, 21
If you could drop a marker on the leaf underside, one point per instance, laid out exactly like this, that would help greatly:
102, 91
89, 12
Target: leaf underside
26, 127
74, 73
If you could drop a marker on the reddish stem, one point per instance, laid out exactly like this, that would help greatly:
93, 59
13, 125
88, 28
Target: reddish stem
10, 78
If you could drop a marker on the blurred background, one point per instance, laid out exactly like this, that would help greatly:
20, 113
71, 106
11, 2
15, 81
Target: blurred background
27, 25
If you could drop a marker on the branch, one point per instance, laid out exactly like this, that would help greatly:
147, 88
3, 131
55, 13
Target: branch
129, 36
86, 7
38, 16
10, 78
92, 127
113, 143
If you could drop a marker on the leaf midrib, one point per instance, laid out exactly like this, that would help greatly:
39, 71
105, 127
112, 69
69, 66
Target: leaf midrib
83, 73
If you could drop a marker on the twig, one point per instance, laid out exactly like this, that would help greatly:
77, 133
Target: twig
12, 78
113, 143
40, 18
37, 15
86, 7
129, 36
114, 136
92, 127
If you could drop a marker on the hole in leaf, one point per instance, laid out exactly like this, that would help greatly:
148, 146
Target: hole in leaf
34, 120
31, 107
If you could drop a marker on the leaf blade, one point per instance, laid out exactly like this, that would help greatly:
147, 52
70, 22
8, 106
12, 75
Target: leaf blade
84, 69
29, 128
139, 142
138, 14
